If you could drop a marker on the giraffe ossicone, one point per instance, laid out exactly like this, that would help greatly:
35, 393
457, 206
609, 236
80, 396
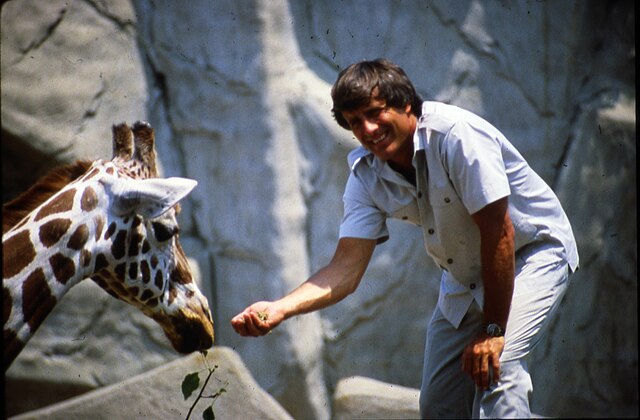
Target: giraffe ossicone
114, 222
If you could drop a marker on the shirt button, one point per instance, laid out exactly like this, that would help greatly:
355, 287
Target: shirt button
447, 200
472, 286
450, 261
431, 231
404, 217
419, 194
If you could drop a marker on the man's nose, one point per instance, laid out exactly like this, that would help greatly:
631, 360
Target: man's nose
369, 126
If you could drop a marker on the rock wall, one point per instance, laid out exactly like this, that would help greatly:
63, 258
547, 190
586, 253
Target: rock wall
238, 93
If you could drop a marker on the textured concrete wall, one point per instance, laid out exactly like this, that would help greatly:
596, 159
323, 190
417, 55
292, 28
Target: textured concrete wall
238, 93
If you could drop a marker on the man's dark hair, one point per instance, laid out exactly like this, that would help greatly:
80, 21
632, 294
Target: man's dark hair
356, 85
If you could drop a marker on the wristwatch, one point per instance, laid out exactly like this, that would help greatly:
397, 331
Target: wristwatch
494, 330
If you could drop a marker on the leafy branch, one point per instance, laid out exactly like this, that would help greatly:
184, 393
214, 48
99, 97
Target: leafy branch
191, 382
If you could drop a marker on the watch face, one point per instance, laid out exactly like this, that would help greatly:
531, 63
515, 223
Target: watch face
494, 330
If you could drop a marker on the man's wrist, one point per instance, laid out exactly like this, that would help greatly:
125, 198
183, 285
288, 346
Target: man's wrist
493, 330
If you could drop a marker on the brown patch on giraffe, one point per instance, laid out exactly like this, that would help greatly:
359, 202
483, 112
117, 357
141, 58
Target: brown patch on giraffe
51, 232
152, 303
154, 261
21, 223
37, 300
17, 209
17, 253
146, 295
120, 271
133, 270
133, 291
63, 267
173, 292
7, 302
158, 281
110, 230
12, 347
118, 247
60, 204
85, 258
134, 246
89, 175
146, 247
89, 200
146, 273
101, 263
110, 170
99, 221
79, 238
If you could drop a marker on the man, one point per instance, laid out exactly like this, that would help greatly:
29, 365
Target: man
489, 221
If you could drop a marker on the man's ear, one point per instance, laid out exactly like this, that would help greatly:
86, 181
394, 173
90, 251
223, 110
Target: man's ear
149, 198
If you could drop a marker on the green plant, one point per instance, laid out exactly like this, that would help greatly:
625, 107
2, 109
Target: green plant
191, 382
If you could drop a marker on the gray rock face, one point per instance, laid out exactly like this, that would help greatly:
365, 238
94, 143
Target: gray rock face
238, 93
158, 394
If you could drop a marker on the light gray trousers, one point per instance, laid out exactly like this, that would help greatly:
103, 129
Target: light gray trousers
542, 277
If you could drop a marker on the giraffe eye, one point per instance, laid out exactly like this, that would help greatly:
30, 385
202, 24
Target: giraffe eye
163, 232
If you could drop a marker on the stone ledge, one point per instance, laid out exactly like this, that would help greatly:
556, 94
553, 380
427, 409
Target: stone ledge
358, 397
157, 394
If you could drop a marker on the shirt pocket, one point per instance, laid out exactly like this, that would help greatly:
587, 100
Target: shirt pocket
408, 213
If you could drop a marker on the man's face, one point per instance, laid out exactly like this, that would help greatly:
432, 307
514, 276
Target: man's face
386, 132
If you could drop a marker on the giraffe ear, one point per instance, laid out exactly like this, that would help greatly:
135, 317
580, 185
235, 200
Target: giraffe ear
148, 197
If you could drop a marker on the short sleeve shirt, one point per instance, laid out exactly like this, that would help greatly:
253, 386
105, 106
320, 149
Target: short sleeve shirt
462, 164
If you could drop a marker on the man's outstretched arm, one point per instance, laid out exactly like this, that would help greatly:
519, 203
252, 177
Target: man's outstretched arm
326, 287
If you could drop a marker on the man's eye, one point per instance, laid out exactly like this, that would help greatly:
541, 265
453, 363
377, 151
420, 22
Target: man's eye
163, 232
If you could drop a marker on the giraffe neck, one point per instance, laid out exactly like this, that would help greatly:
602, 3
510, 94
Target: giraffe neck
49, 252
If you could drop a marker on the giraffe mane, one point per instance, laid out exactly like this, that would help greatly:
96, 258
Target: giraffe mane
16, 209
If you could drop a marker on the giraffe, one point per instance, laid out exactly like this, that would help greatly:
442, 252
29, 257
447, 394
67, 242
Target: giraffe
111, 221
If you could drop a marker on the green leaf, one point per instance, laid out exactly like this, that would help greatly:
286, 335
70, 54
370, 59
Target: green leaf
208, 414
189, 384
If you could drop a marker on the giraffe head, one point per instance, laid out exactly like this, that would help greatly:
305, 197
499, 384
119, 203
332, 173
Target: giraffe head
116, 223
142, 262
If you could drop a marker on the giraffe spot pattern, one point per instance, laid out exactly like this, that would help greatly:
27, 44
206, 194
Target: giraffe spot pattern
101, 263
133, 271
152, 303
120, 271
37, 300
110, 230
146, 295
158, 281
99, 221
134, 246
146, 273
85, 258
146, 247
51, 232
12, 346
7, 302
154, 261
89, 200
17, 253
118, 246
59, 204
94, 172
63, 267
79, 238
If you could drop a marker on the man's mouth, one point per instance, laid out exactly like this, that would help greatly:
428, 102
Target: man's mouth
379, 139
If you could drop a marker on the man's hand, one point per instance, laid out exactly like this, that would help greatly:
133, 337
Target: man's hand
481, 360
257, 320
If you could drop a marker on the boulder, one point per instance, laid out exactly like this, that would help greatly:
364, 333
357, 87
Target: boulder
158, 394
358, 397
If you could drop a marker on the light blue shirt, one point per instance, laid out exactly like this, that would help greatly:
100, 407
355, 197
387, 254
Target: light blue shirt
462, 164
